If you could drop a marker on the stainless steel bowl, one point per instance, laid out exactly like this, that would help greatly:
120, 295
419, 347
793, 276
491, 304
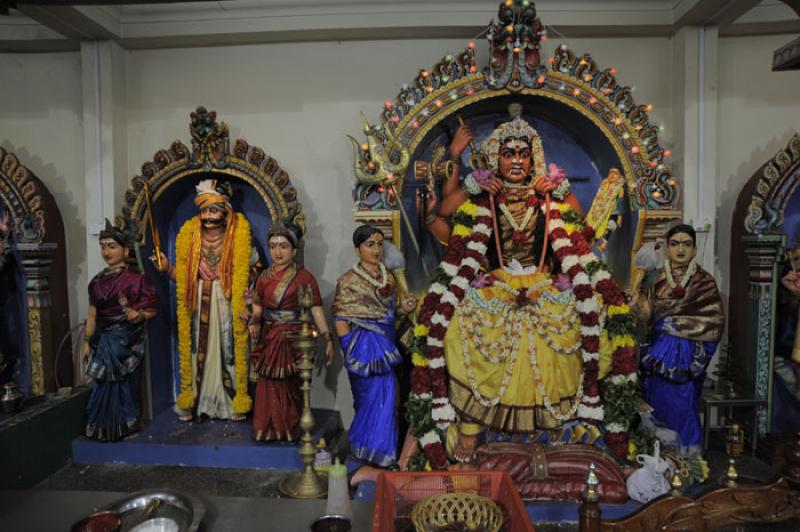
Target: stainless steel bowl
184, 510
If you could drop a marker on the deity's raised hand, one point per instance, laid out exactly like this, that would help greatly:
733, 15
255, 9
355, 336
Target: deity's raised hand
165, 265
4, 224
409, 303
461, 140
431, 203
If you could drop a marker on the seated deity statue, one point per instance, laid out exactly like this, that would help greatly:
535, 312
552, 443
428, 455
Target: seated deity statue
515, 323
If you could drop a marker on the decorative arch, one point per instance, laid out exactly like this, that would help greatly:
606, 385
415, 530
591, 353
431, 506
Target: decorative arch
566, 82
757, 257
776, 182
36, 311
211, 153
20, 194
263, 192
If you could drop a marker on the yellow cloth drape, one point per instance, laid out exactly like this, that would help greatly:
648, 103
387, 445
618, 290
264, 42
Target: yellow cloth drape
521, 406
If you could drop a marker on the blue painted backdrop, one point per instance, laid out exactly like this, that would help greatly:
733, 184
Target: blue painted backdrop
569, 139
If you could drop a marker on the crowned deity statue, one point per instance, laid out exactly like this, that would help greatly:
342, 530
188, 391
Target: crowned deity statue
683, 312
213, 255
121, 300
522, 321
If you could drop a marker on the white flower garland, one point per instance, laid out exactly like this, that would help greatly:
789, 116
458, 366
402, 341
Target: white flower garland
365, 274
690, 271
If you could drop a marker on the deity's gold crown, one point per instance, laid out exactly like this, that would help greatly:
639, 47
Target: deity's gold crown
517, 128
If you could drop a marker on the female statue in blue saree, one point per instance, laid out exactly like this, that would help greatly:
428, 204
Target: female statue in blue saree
365, 308
685, 319
120, 301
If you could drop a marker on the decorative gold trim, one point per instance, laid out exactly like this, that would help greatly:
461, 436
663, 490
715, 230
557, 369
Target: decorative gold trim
772, 192
21, 196
245, 162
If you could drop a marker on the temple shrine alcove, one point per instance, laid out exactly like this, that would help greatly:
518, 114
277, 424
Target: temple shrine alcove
763, 322
262, 191
576, 120
34, 308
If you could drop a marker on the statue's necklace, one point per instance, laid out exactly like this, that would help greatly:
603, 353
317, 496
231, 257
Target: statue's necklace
362, 272
518, 236
679, 289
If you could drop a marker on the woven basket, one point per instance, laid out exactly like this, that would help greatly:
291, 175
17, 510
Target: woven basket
450, 508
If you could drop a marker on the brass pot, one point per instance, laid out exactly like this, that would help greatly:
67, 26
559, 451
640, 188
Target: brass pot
10, 398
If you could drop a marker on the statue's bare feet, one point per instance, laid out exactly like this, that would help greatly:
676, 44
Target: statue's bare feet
464, 450
367, 472
185, 417
238, 417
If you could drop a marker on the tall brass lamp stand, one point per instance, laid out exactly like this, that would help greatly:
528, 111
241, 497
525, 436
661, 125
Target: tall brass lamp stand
307, 484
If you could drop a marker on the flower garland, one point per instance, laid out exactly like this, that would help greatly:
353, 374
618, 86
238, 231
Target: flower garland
679, 289
589, 276
242, 403
186, 396
429, 408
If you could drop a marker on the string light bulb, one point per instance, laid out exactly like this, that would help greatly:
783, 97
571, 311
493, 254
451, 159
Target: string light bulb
648, 107
667, 153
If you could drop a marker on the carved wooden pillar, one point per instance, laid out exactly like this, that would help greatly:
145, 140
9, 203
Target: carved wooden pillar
36, 262
762, 252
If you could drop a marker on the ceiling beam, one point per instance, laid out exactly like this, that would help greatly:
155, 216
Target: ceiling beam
720, 13
73, 23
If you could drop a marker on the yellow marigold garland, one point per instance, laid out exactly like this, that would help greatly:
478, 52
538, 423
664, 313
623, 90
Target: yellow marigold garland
186, 397
461, 230
614, 310
625, 340
242, 403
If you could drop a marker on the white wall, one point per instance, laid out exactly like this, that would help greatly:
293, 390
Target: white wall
758, 112
40, 122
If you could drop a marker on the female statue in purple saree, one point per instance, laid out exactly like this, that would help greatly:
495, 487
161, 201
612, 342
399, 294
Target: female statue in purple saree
120, 301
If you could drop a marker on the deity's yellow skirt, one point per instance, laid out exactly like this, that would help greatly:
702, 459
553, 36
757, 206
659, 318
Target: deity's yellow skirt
490, 359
